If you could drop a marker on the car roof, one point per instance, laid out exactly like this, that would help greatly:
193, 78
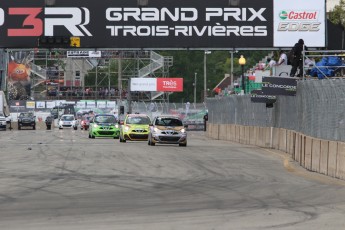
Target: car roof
137, 115
168, 116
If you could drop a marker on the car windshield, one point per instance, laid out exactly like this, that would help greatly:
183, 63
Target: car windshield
105, 119
138, 120
168, 122
25, 115
67, 118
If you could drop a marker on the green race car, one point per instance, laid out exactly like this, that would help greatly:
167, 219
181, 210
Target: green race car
135, 127
104, 125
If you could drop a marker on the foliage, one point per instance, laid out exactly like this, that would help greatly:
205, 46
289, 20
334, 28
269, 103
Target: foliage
337, 15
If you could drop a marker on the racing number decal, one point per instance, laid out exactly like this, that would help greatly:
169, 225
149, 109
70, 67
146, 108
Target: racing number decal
30, 21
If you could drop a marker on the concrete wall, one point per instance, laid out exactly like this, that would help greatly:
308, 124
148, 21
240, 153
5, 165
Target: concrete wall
322, 156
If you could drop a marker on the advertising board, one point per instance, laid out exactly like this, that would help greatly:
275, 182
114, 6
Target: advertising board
157, 84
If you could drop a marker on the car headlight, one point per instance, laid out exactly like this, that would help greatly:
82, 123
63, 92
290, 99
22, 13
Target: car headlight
183, 130
126, 128
95, 125
117, 126
155, 129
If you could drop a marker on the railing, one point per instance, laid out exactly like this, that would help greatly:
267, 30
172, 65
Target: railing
157, 62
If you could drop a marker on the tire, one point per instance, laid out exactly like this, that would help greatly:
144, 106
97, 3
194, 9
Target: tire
89, 135
75, 128
19, 127
34, 127
152, 143
183, 145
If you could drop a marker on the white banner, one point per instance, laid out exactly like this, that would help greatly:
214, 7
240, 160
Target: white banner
80, 104
50, 104
299, 19
84, 53
40, 104
143, 84
111, 104
101, 104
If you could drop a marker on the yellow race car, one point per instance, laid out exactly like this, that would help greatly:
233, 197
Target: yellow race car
135, 127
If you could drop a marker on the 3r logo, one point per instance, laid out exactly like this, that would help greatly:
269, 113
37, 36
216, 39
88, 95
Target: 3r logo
73, 19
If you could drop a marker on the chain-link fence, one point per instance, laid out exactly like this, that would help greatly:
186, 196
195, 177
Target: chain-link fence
318, 110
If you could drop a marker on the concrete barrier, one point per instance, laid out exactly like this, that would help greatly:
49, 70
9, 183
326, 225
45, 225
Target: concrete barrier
303, 140
340, 172
237, 133
324, 157
222, 132
282, 140
275, 138
298, 141
252, 135
315, 152
332, 158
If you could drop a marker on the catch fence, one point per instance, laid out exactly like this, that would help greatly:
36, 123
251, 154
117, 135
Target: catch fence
318, 110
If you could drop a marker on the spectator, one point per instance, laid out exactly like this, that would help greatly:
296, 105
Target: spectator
283, 58
270, 63
298, 59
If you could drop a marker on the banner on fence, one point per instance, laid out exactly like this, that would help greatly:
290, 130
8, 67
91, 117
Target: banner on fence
279, 86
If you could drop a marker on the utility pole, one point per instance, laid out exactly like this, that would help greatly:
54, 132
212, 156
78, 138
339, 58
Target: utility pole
195, 88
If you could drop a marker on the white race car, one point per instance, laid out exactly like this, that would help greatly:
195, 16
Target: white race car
68, 121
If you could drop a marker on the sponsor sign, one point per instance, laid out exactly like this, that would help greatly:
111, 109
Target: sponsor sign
170, 84
101, 104
157, 84
257, 96
80, 104
279, 86
295, 19
84, 54
111, 104
143, 84
40, 104
50, 104
124, 24
90, 104
30, 104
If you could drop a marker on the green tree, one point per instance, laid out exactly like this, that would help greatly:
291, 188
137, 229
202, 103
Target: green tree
337, 15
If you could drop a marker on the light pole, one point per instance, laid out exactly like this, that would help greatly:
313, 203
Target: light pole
242, 62
205, 74
195, 88
232, 67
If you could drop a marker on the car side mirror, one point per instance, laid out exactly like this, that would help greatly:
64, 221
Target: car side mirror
120, 122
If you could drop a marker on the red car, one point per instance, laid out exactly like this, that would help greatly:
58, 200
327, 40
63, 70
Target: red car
85, 122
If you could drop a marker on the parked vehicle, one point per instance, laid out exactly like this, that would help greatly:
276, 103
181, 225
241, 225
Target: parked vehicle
104, 125
68, 121
167, 130
26, 119
135, 127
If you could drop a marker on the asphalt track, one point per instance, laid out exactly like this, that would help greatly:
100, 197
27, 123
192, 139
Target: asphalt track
61, 179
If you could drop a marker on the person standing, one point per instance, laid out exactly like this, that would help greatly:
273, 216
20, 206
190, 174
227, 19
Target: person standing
283, 60
298, 59
205, 121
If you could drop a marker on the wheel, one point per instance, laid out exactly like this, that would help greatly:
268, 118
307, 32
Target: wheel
34, 127
183, 145
19, 127
92, 136
75, 128
89, 135
152, 143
